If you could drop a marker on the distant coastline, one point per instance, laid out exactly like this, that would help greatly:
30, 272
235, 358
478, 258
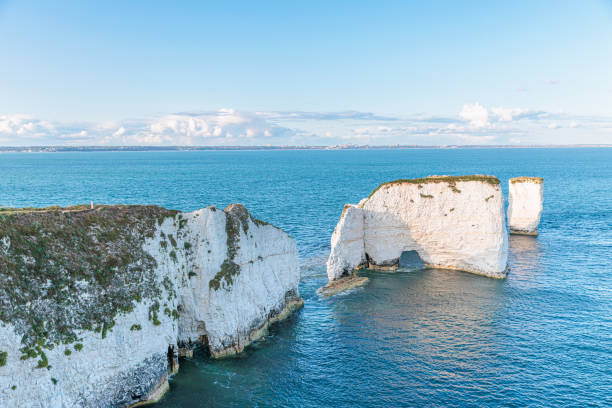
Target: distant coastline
43, 149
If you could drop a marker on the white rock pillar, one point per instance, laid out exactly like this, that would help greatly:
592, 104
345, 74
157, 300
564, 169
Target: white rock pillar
525, 205
347, 243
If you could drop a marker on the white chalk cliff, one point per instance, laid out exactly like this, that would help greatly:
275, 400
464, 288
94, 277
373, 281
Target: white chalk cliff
452, 222
104, 330
525, 202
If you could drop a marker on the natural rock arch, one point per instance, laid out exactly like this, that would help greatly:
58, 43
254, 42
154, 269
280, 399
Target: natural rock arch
453, 222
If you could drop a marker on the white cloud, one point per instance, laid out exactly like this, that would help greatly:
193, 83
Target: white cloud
76, 135
474, 123
119, 132
505, 114
24, 126
552, 82
476, 114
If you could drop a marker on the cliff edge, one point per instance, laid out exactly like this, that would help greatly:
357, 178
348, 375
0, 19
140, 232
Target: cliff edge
96, 303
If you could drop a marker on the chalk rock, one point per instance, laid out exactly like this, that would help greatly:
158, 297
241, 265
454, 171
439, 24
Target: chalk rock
244, 279
452, 222
347, 243
525, 200
94, 303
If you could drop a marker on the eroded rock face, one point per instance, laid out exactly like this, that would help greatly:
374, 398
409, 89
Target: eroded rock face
94, 304
241, 283
525, 202
452, 222
347, 243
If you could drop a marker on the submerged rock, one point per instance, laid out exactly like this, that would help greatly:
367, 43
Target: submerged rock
345, 283
451, 222
525, 200
95, 304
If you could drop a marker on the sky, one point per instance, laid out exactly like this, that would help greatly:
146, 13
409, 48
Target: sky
305, 73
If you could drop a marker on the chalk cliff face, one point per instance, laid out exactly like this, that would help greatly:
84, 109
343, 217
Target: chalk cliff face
245, 279
452, 222
347, 243
94, 304
525, 200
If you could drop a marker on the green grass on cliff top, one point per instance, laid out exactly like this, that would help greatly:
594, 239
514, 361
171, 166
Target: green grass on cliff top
451, 180
536, 180
72, 208
64, 270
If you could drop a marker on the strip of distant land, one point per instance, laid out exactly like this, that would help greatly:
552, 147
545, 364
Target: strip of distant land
37, 149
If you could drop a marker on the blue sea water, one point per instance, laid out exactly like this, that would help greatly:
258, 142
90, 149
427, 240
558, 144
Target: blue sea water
541, 337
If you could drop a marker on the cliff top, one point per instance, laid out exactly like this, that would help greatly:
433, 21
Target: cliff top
536, 180
72, 208
451, 180
63, 270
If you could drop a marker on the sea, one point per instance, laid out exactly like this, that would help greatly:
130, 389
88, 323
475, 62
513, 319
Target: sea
414, 338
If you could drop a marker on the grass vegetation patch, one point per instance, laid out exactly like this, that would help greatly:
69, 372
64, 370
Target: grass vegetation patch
63, 270
536, 180
450, 180
236, 218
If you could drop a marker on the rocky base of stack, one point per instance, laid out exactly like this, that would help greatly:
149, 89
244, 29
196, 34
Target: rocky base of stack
342, 285
259, 331
528, 233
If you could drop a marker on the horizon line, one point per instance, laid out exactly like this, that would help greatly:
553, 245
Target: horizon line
78, 148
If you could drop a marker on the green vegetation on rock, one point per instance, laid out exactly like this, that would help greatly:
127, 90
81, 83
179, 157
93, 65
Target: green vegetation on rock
63, 270
451, 180
236, 217
536, 180
153, 313
172, 240
3, 356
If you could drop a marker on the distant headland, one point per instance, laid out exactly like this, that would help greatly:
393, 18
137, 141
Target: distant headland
39, 149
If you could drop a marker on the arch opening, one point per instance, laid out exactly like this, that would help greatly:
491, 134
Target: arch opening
410, 260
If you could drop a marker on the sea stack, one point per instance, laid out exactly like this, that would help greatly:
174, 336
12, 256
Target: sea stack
525, 200
453, 222
95, 304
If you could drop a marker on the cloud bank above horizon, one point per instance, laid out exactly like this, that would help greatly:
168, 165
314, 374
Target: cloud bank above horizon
474, 124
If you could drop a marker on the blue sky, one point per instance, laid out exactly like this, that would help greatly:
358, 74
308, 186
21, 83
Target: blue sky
215, 73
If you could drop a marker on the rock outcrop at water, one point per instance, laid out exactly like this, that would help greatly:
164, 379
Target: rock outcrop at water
95, 304
452, 222
525, 200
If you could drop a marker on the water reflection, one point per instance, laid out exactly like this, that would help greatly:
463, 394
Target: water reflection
525, 257
429, 324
